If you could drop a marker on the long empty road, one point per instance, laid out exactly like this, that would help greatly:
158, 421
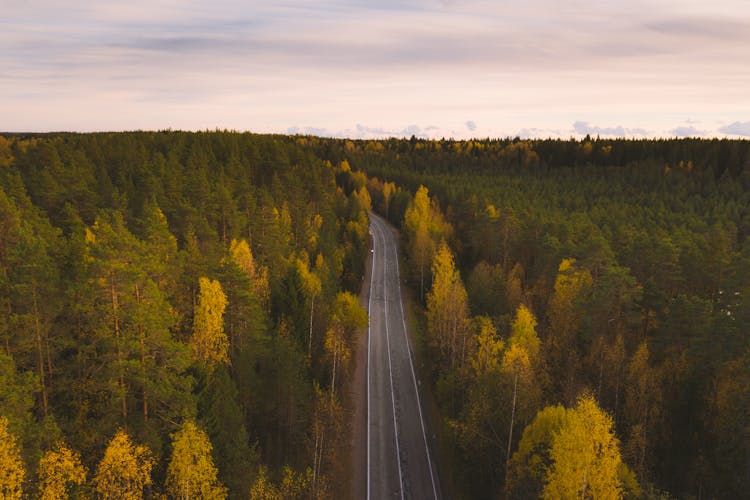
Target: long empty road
399, 459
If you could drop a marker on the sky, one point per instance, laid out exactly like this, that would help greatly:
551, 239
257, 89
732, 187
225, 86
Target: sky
379, 68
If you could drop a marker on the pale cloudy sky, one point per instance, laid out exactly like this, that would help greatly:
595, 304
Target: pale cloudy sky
358, 68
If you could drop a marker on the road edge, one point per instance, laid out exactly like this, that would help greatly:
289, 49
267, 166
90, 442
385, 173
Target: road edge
358, 394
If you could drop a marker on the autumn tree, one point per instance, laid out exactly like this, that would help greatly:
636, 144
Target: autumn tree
425, 228
257, 274
191, 472
263, 488
527, 468
447, 311
585, 456
60, 471
388, 189
517, 367
125, 469
521, 364
209, 342
293, 486
328, 459
480, 429
17, 391
571, 285
245, 284
523, 333
12, 470
311, 287
347, 316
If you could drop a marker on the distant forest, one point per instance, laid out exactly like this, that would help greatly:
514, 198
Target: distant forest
170, 299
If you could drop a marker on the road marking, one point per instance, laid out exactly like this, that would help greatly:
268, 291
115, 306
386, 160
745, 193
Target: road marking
369, 307
414, 378
390, 368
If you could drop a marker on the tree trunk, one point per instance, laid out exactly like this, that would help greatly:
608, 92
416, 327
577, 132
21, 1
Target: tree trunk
40, 351
309, 342
617, 394
116, 320
333, 373
512, 417
601, 374
142, 339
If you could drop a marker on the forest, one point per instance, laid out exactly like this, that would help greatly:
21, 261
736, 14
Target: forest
177, 316
170, 299
585, 309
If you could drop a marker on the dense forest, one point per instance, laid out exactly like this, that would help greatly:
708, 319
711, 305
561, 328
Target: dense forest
586, 309
177, 312
176, 316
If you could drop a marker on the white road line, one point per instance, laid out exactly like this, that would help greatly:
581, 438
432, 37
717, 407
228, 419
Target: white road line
369, 307
390, 369
414, 378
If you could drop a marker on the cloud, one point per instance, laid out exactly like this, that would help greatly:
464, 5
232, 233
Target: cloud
584, 128
736, 128
711, 28
317, 131
686, 132
361, 131
272, 65
539, 133
365, 132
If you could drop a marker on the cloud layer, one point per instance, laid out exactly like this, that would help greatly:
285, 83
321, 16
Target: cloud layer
541, 65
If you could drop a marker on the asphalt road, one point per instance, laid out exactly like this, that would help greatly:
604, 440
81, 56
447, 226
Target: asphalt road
399, 461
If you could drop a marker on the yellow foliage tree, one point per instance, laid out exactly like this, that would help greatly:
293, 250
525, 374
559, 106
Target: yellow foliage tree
517, 366
59, 469
448, 310
209, 343
571, 284
585, 456
12, 471
488, 355
347, 316
388, 189
363, 198
263, 488
258, 275
523, 333
529, 464
125, 469
243, 257
294, 486
191, 472
425, 227
311, 287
